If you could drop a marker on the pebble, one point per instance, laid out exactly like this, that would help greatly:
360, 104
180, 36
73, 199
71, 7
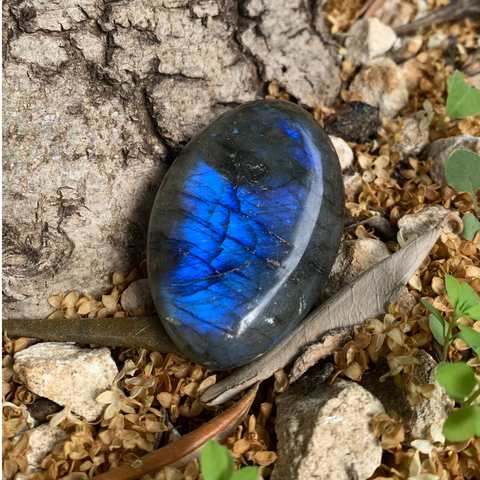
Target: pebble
354, 122
416, 420
41, 442
324, 431
381, 84
406, 48
344, 152
354, 257
413, 137
441, 149
367, 39
136, 295
423, 221
68, 375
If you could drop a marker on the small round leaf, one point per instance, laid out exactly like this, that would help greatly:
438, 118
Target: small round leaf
458, 379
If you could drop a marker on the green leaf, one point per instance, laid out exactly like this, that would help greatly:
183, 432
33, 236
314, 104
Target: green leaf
439, 329
473, 312
453, 289
215, 462
471, 226
462, 424
462, 171
471, 337
246, 473
432, 309
458, 379
463, 100
468, 298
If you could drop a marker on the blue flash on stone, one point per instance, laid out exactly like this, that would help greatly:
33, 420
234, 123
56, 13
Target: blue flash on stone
244, 232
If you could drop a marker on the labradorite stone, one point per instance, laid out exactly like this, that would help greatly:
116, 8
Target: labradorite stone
244, 232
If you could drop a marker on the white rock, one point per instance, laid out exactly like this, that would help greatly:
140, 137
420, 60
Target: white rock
395, 13
442, 148
41, 442
324, 432
414, 138
416, 420
344, 152
68, 375
353, 186
437, 41
423, 221
381, 84
367, 39
353, 258
137, 295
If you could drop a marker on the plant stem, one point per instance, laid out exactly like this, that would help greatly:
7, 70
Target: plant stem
471, 398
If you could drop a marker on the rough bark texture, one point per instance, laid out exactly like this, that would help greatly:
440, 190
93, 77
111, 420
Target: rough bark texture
100, 96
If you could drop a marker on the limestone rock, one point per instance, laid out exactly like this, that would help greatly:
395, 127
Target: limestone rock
442, 148
395, 13
101, 97
344, 152
368, 38
68, 375
353, 258
138, 295
414, 138
381, 85
41, 442
324, 432
353, 186
416, 420
423, 221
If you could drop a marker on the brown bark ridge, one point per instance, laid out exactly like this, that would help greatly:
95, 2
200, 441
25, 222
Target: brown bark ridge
99, 98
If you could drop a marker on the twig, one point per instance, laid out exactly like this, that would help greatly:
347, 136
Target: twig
456, 10
135, 332
367, 297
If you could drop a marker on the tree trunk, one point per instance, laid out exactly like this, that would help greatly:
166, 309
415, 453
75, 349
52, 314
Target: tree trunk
99, 98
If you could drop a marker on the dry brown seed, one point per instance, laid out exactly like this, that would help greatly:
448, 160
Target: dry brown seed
207, 383
191, 389
265, 458
242, 446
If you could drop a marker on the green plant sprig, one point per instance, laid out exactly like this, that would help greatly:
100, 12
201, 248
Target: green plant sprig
458, 379
216, 463
465, 304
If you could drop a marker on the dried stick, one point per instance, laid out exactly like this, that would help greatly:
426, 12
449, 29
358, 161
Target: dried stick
136, 332
456, 10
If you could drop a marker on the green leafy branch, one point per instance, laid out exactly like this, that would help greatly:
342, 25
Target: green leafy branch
465, 304
458, 379
216, 463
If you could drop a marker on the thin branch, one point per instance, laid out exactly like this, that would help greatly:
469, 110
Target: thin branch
456, 10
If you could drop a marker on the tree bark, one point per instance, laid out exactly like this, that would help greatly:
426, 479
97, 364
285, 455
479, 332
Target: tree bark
100, 96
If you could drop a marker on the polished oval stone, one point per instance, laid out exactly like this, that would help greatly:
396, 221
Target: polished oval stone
244, 232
